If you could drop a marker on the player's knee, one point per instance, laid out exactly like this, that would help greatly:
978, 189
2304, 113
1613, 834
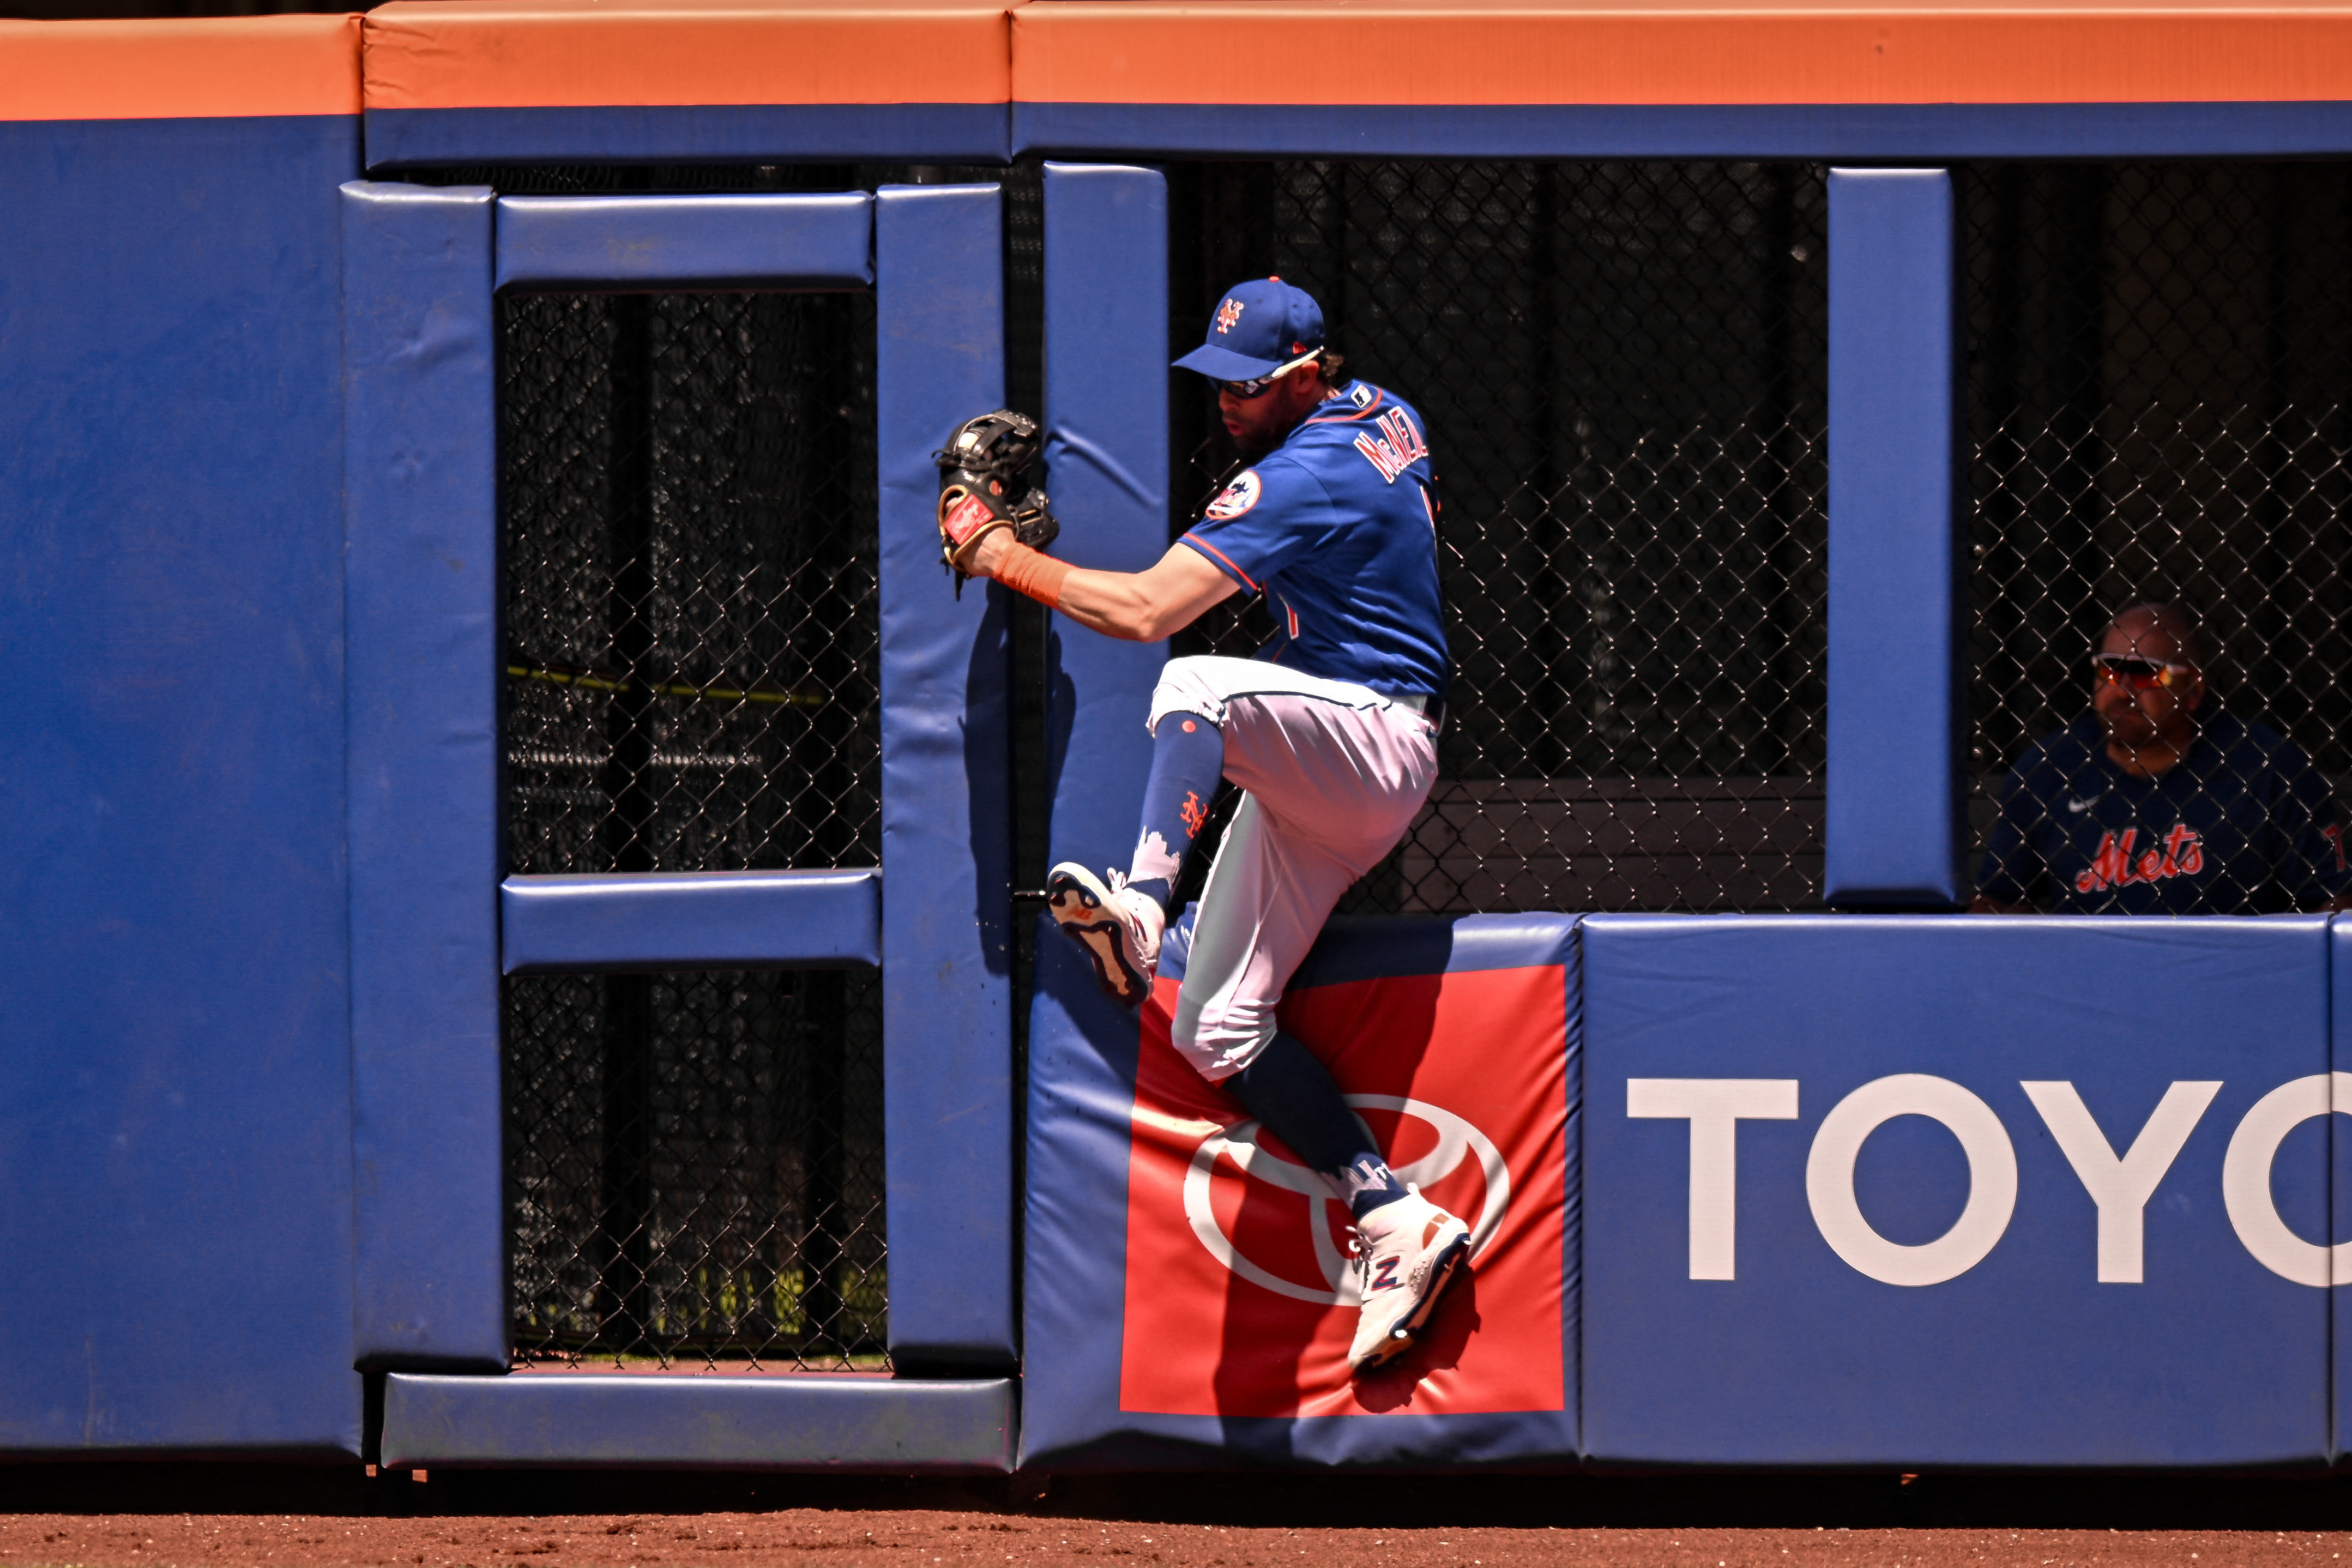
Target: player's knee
1217, 1047
1185, 688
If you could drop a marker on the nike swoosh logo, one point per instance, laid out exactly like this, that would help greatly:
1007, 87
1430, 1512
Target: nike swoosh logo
2078, 805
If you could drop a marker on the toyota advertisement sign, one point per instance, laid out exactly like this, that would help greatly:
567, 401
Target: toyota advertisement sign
1831, 1191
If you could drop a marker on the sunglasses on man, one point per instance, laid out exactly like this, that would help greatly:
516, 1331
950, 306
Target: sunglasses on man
2135, 673
1258, 386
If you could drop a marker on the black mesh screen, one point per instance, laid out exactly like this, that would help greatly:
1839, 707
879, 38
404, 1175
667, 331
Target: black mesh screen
697, 1164
1621, 369
689, 518
2160, 359
687, 487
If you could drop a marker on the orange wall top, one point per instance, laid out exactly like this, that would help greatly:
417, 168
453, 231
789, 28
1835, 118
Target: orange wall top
1676, 52
533, 54
203, 67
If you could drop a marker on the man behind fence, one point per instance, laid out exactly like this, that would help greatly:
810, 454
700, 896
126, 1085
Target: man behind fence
2156, 803
1331, 732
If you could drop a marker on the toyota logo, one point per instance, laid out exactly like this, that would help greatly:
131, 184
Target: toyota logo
1456, 1140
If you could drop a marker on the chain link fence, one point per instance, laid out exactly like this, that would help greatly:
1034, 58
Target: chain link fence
1622, 368
687, 483
696, 1165
2161, 356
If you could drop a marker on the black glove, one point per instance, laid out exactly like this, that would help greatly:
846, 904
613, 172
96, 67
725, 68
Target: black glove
982, 490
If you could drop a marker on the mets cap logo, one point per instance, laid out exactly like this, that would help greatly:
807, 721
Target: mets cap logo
1457, 1141
1227, 314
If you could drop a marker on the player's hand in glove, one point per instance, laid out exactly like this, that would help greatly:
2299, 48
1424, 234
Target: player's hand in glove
981, 488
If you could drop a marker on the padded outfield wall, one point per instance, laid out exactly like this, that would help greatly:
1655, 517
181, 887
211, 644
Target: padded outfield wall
1876, 1187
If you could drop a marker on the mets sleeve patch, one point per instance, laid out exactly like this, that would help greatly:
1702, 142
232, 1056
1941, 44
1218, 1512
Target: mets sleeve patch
1236, 498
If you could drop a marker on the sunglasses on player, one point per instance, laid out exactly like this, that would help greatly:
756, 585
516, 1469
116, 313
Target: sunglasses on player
1258, 386
2133, 672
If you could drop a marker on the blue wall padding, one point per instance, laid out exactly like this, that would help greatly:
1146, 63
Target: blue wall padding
1106, 363
1361, 947
1183, 1372
607, 244
1813, 132
422, 520
2025, 1357
2339, 995
947, 818
651, 1421
174, 1136
690, 920
1896, 783
696, 133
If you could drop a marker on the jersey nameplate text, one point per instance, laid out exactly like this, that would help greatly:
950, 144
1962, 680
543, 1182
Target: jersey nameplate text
1397, 447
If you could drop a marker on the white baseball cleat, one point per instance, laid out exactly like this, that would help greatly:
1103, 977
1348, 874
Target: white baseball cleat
1407, 1253
1119, 927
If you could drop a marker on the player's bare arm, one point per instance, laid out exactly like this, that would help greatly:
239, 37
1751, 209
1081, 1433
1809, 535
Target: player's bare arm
1137, 606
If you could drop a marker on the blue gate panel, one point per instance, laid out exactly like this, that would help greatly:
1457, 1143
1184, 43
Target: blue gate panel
946, 816
1896, 783
174, 1137
690, 920
1839, 1178
423, 604
1191, 1285
651, 1421
610, 244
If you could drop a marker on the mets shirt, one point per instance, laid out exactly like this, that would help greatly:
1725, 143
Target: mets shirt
1337, 528
2242, 825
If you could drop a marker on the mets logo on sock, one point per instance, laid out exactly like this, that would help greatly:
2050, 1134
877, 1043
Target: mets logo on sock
1236, 1148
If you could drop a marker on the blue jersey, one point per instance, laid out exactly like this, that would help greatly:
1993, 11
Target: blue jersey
2243, 824
1337, 527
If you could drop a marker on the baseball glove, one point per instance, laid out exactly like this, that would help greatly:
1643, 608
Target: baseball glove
981, 488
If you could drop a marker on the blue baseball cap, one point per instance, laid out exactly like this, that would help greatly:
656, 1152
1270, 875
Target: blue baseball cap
1258, 327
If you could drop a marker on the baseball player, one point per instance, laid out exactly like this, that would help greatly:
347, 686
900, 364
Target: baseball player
2152, 804
1331, 732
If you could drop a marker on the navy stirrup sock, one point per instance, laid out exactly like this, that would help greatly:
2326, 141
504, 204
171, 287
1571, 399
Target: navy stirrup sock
1188, 757
1289, 1091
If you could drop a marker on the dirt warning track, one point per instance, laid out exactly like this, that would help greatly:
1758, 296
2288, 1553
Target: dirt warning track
185, 1516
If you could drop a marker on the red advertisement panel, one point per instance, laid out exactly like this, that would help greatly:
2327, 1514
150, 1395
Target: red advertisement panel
1240, 1298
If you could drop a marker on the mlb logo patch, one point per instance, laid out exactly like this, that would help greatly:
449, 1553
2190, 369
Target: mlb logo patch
1240, 1293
